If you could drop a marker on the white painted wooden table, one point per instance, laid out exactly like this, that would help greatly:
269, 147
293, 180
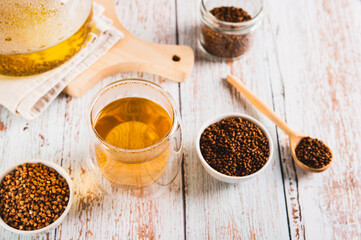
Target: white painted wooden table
306, 65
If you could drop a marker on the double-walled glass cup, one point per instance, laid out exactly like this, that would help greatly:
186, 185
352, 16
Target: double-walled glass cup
144, 172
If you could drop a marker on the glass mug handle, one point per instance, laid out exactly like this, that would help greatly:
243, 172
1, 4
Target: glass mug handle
177, 136
173, 167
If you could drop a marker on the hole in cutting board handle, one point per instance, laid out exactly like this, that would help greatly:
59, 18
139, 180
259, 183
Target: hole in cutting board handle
176, 58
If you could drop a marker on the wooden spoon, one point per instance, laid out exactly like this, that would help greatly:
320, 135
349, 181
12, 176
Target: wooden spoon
294, 137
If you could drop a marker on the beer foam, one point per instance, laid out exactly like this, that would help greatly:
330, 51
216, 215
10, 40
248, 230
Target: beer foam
32, 25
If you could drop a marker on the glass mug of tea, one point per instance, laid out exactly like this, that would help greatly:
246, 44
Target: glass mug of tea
136, 138
39, 35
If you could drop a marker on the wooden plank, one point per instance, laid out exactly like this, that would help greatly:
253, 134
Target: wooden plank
318, 51
254, 209
97, 217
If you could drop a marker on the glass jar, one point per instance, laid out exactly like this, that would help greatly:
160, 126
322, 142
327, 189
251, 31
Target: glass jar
39, 35
229, 40
142, 172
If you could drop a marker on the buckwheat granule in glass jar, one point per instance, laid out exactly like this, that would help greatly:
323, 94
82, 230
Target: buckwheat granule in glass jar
228, 37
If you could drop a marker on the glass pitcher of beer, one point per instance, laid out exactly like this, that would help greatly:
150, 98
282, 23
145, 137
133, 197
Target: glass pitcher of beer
39, 35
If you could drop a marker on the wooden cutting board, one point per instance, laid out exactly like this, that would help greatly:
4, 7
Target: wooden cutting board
131, 54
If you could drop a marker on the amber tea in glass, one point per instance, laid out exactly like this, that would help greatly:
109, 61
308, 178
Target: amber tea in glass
138, 135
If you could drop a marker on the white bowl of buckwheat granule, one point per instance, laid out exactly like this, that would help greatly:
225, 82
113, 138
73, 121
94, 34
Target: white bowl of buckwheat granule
35, 196
234, 147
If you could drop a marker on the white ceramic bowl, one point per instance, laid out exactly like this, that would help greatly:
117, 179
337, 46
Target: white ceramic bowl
223, 177
65, 175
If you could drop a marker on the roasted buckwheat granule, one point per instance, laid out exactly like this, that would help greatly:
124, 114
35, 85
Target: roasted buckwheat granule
226, 44
313, 152
32, 196
230, 14
235, 147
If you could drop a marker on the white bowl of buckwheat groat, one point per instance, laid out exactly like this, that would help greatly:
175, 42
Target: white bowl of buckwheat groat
35, 196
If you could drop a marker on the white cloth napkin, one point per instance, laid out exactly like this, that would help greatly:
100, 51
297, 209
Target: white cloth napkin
30, 96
